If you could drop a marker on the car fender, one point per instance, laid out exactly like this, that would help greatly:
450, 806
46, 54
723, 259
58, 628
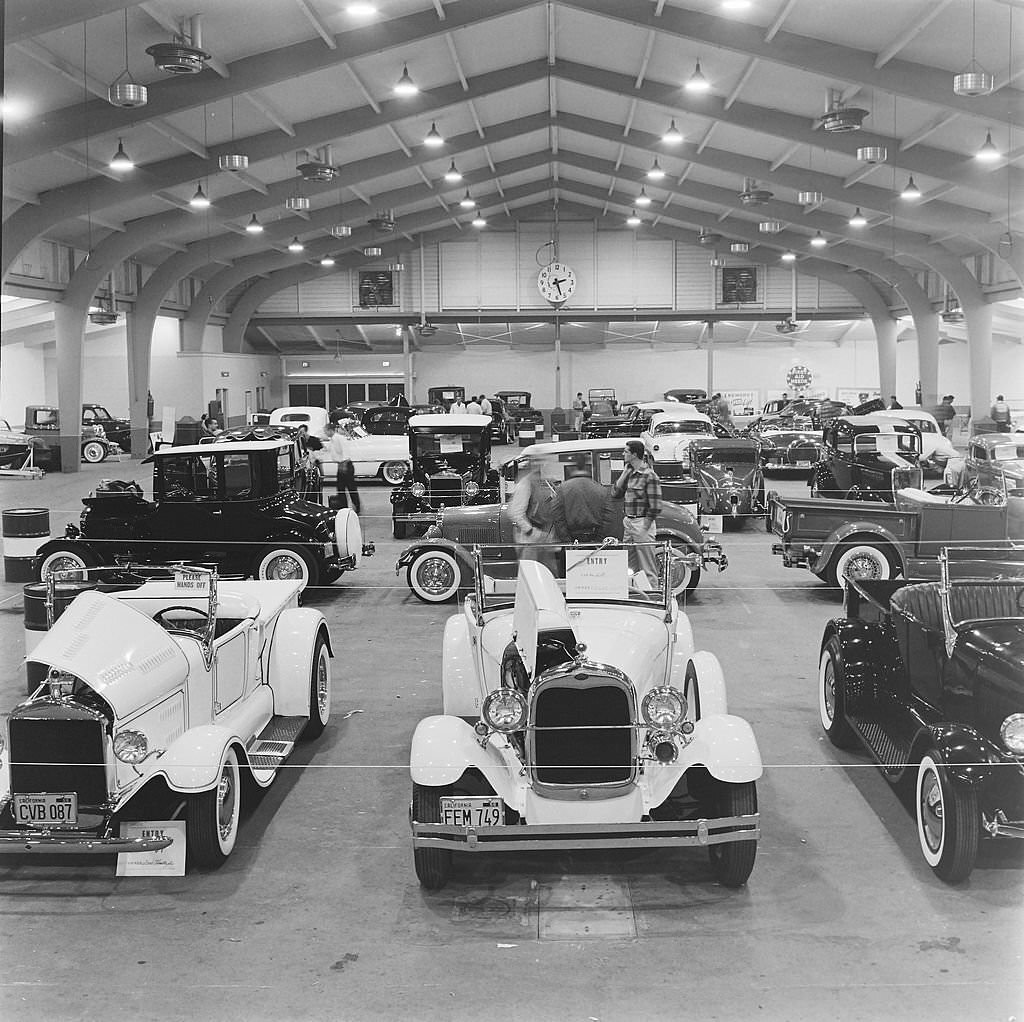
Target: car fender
726, 745
870, 530
683, 531
963, 750
460, 693
459, 552
291, 658
62, 541
192, 763
444, 748
682, 650
705, 668
867, 653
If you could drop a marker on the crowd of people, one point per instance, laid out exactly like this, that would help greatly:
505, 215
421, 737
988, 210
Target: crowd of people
476, 405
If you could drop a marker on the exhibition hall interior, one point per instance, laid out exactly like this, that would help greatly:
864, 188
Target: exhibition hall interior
512, 506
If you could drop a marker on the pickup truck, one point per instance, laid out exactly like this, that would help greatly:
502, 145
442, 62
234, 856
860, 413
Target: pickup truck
838, 539
43, 423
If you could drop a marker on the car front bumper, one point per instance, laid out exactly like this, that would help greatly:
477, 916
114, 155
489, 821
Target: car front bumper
64, 842
645, 834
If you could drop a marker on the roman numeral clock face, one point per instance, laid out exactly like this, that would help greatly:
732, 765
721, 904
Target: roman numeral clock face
556, 282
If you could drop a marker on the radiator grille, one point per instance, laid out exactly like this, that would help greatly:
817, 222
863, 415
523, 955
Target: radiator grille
445, 489
58, 755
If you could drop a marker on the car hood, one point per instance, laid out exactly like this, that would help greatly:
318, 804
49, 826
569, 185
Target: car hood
116, 650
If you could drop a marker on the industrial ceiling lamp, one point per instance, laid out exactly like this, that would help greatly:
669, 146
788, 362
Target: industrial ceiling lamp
708, 238
655, 173
839, 118
434, 138
105, 312
479, 221
405, 86
974, 80
788, 257
199, 200
327, 260
770, 226
819, 240
295, 245
754, 196
341, 229
697, 82
467, 201
372, 251
673, 136
633, 220
318, 168
121, 160
988, 151
739, 247
643, 199
183, 56
124, 90
811, 197
452, 174
254, 226
910, 190
872, 153
858, 219
233, 162
297, 204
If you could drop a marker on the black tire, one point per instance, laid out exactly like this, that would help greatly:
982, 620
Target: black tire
319, 691
93, 452
399, 529
286, 562
211, 817
65, 557
948, 824
832, 696
433, 865
734, 861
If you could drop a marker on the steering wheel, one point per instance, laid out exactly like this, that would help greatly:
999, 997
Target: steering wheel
165, 619
978, 494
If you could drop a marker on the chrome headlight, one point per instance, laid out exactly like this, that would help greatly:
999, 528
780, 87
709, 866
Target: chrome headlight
131, 746
418, 489
505, 710
663, 707
472, 489
1012, 733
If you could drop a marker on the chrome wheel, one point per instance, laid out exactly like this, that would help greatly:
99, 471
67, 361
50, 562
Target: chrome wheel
435, 576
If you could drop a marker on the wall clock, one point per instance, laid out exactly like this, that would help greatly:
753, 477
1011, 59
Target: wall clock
556, 282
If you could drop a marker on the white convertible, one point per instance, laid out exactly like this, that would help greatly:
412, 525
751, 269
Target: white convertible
578, 714
159, 699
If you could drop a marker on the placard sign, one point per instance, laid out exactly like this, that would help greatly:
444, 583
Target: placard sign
450, 444
165, 862
191, 583
596, 574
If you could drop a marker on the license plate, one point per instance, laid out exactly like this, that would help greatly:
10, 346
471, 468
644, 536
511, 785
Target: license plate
49, 810
802, 464
472, 812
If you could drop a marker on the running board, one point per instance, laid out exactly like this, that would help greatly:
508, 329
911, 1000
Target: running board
274, 744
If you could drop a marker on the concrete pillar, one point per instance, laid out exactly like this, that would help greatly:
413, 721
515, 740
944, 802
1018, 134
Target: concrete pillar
978, 317
140, 347
69, 326
926, 325
711, 357
407, 364
886, 329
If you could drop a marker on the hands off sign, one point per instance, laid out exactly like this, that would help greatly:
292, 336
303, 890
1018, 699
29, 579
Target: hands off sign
596, 574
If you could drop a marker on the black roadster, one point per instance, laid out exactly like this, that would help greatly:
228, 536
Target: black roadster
867, 457
929, 679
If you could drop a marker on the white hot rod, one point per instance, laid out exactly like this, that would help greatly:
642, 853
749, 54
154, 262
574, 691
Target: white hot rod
157, 701
578, 714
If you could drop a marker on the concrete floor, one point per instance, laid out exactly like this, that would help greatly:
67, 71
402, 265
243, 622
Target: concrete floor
318, 915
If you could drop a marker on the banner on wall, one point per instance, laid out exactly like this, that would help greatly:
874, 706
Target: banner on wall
741, 402
856, 395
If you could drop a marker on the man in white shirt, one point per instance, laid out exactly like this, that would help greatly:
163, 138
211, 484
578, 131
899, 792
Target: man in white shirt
485, 405
458, 406
337, 449
474, 407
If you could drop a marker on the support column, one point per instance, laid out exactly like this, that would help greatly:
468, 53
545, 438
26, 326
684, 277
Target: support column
140, 349
558, 362
978, 317
711, 357
886, 329
407, 364
69, 326
927, 327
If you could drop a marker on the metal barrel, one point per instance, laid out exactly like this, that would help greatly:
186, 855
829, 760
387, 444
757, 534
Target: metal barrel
22, 531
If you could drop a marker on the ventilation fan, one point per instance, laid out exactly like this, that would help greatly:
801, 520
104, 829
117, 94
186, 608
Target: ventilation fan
426, 330
183, 56
384, 221
787, 326
754, 196
839, 118
318, 168
708, 238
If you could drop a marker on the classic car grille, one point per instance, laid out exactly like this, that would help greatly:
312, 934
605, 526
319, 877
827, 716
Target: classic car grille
57, 755
670, 470
582, 736
469, 534
445, 490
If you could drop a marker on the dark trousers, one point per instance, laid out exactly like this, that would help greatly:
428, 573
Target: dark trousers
347, 485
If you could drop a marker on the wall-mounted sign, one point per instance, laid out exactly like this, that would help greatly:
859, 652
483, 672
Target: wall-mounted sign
739, 285
799, 377
376, 288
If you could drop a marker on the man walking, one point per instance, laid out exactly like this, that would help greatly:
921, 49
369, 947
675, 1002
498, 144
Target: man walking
577, 411
944, 414
640, 487
581, 509
337, 450
1000, 414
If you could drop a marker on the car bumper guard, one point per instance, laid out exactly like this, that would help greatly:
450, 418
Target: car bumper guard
527, 837
46, 842
711, 552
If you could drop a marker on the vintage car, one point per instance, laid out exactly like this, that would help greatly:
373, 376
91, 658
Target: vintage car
929, 679
118, 431
667, 440
786, 443
445, 396
43, 423
374, 457
867, 457
19, 452
686, 395
936, 448
393, 420
517, 404
503, 424
635, 418
440, 566
450, 467
159, 700
577, 714
232, 503
729, 479
996, 458
843, 539
309, 478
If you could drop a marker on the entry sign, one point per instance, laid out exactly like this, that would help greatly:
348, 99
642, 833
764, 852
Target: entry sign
163, 862
596, 574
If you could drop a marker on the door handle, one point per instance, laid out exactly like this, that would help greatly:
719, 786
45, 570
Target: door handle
217, 511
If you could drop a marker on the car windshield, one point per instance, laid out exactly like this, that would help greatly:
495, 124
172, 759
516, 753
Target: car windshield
1008, 452
887, 443
516, 400
454, 451
591, 574
602, 407
96, 412
726, 456
922, 425
682, 426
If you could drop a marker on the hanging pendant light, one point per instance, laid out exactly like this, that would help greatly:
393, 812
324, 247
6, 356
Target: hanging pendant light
254, 226
297, 203
739, 247
124, 91
199, 200
788, 257
974, 80
295, 245
770, 226
872, 153
405, 86
858, 219
643, 199
479, 221
811, 197
372, 251
673, 136
434, 138
633, 220
910, 190
467, 201
121, 160
819, 240
452, 174
341, 231
697, 82
988, 151
655, 173
327, 260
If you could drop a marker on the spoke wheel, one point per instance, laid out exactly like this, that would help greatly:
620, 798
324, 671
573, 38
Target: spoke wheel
947, 821
66, 558
435, 576
393, 472
211, 821
287, 564
861, 561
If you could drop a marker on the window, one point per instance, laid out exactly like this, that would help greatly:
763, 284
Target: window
237, 477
